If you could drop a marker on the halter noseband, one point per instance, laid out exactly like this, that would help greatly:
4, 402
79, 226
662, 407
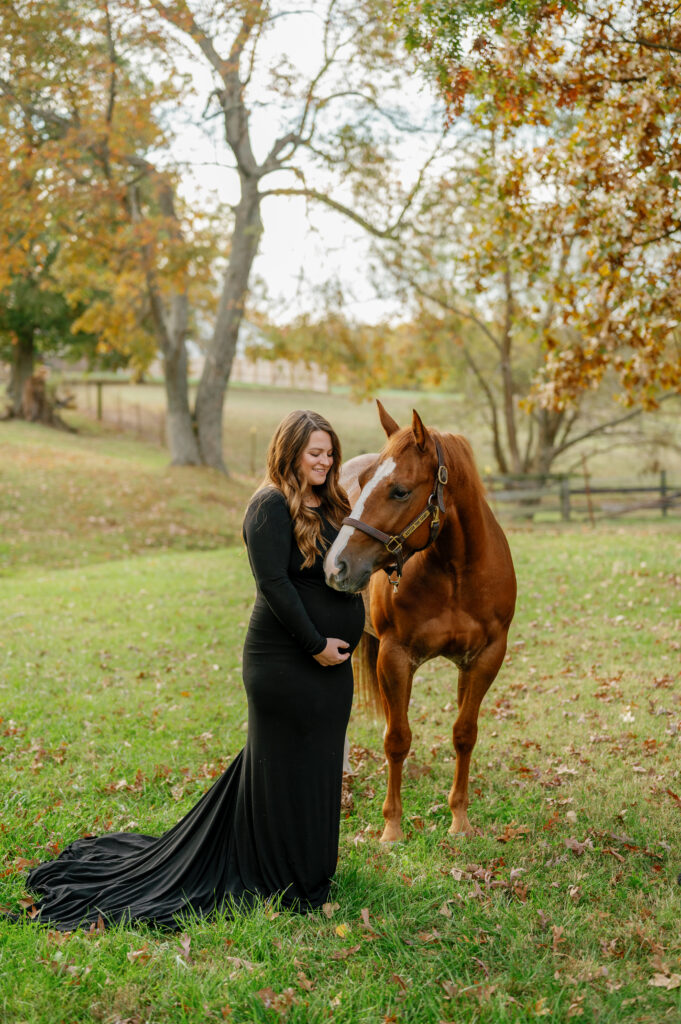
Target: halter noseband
394, 542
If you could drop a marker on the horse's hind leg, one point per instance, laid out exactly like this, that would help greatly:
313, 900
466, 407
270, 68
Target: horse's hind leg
395, 672
473, 685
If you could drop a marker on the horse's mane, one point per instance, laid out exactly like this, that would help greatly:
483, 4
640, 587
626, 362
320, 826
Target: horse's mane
458, 454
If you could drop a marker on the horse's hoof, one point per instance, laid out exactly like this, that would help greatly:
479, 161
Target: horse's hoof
461, 827
392, 834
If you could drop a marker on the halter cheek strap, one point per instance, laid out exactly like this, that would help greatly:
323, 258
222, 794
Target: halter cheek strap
394, 542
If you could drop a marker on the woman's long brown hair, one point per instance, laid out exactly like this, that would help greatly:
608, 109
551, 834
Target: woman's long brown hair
283, 460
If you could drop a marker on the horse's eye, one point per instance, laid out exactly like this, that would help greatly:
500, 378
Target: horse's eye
399, 493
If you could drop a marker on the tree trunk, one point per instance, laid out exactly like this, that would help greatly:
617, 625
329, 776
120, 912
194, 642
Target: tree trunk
549, 422
22, 370
506, 371
217, 367
181, 435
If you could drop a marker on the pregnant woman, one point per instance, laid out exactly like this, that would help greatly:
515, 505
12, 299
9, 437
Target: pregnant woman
269, 826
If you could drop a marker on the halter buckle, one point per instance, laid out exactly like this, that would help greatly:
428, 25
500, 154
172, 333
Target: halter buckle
442, 475
397, 545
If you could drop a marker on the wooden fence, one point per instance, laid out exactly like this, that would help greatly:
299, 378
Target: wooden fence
552, 497
561, 497
144, 421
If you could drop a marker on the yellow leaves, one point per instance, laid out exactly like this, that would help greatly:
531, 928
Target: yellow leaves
342, 930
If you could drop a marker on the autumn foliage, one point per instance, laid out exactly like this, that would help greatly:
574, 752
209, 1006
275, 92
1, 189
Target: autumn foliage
591, 95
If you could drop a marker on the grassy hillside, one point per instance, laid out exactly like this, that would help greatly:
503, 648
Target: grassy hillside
124, 597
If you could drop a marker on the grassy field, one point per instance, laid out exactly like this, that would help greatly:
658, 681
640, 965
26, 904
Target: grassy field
124, 595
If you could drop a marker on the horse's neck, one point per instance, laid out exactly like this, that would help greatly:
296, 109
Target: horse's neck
463, 535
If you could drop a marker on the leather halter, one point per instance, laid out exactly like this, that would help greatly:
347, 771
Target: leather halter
394, 542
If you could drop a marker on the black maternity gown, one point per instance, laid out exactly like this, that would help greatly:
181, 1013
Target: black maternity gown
270, 824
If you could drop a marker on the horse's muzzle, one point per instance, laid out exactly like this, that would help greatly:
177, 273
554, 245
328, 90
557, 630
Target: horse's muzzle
339, 577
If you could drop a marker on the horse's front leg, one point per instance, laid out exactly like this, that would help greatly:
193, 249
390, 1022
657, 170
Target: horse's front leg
395, 672
473, 685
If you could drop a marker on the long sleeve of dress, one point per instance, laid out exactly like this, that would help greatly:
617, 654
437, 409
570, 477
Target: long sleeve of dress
269, 537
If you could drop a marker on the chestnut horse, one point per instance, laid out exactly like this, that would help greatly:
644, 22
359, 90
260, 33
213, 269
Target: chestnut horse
421, 510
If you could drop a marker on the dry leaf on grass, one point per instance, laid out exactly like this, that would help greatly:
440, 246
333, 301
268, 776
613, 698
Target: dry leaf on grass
305, 982
277, 1001
343, 954
512, 831
577, 847
139, 956
665, 981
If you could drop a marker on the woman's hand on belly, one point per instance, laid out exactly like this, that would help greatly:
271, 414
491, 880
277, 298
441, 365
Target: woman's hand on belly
335, 653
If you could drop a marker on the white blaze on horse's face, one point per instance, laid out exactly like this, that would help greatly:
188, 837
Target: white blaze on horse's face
336, 550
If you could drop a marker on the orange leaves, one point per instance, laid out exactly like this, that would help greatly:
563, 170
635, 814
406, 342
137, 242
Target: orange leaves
139, 956
513, 831
280, 1002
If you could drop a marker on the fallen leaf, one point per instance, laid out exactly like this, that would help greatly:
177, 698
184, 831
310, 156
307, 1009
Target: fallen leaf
305, 982
238, 962
342, 930
577, 847
185, 943
272, 1000
139, 955
329, 909
665, 981
343, 954
512, 831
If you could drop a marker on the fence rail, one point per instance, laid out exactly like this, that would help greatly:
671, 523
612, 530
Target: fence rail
568, 498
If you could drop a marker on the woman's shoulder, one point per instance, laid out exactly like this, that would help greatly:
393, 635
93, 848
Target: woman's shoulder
265, 504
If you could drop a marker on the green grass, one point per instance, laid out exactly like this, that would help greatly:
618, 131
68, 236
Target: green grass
121, 697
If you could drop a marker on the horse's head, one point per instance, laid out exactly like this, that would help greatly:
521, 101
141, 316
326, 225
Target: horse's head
397, 509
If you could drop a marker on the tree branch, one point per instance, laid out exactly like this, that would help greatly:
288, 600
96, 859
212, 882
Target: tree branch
602, 427
321, 197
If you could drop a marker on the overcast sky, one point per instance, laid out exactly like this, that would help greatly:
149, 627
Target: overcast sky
298, 250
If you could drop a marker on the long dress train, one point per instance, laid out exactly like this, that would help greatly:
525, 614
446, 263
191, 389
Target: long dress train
269, 825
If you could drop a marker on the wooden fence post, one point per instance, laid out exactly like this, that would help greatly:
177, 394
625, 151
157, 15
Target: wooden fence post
587, 490
565, 499
99, 400
254, 442
663, 491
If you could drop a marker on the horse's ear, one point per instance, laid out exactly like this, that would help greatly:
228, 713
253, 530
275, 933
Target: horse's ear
387, 422
421, 435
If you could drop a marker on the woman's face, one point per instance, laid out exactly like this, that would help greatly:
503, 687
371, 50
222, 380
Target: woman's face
316, 459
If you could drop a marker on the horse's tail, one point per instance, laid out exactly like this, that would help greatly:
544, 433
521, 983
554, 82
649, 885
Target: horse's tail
368, 695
